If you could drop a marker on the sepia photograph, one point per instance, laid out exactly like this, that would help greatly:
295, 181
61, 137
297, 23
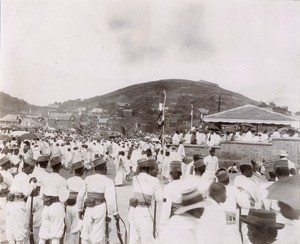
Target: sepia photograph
150, 122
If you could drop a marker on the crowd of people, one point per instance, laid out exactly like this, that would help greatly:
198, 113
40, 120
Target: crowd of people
200, 201
215, 137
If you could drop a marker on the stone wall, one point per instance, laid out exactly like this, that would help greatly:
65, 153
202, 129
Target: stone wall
231, 152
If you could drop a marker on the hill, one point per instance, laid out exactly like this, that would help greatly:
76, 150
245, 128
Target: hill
145, 97
143, 102
13, 105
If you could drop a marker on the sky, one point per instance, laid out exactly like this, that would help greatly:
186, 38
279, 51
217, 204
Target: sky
53, 51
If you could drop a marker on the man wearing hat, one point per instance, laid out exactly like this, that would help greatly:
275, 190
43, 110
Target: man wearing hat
100, 201
6, 179
283, 155
72, 220
233, 197
245, 183
190, 167
185, 225
172, 193
16, 217
15, 160
212, 164
262, 226
55, 193
146, 189
198, 178
282, 172
39, 173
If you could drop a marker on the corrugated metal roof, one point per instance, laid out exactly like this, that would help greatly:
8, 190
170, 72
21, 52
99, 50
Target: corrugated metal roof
60, 116
249, 114
9, 117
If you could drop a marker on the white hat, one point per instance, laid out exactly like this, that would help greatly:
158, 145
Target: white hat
282, 153
191, 199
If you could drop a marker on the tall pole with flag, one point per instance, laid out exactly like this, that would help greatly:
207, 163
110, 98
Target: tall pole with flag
161, 117
192, 115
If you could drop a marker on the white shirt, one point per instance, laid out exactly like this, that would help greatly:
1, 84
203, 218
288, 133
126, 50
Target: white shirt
55, 185
20, 184
100, 184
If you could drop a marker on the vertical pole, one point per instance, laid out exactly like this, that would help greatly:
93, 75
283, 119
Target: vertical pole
192, 115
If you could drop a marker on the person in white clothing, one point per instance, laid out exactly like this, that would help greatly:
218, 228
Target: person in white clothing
100, 202
72, 219
185, 226
39, 173
6, 179
172, 194
55, 193
212, 165
283, 155
16, 217
146, 189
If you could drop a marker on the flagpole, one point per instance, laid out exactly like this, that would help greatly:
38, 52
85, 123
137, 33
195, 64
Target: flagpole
192, 115
163, 126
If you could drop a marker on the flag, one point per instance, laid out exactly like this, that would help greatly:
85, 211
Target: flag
41, 118
161, 118
56, 120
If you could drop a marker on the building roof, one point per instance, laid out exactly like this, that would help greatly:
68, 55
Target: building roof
97, 110
249, 114
123, 104
103, 120
60, 116
9, 117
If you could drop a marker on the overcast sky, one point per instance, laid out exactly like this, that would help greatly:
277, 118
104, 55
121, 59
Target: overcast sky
68, 49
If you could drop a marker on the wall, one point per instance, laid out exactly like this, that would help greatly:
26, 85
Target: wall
231, 152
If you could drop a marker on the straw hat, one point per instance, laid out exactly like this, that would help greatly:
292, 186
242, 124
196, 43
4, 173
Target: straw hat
191, 199
262, 217
282, 153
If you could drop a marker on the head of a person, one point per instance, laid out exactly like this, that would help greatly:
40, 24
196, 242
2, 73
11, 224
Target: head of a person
192, 202
281, 169
16, 151
100, 166
199, 167
288, 212
222, 176
26, 148
246, 169
212, 152
146, 165
217, 191
42, 161
262, 226
55, 164
5, 162
28, 166
79, 171
175, 170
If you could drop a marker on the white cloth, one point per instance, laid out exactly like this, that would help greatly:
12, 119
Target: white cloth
290, 233
52, 221
5, 184
53, 216
212, 164
140, 218
172, 194
93, 226
182, 229
16, 217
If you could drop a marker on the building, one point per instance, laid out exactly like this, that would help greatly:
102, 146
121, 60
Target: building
60, 119
103, 123
96, 111
53, 108
10, 119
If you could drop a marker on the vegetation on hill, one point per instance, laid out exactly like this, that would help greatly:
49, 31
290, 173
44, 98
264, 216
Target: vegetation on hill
144, 99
